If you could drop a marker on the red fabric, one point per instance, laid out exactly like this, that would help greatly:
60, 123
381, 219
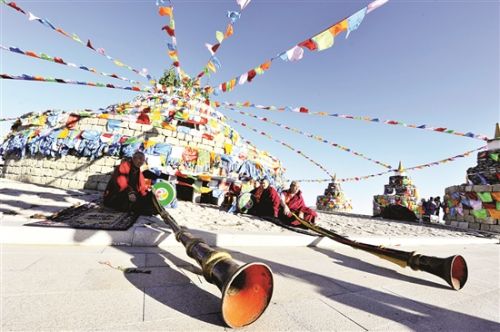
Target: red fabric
251, 74
207, 136
13, 5
120, 180
169, 30
296, 205
215, 47
308, 44
143, 118
89, 45
266, 202
72, 120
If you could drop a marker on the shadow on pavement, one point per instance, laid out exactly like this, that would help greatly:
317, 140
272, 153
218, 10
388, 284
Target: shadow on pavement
405, 311
360, 265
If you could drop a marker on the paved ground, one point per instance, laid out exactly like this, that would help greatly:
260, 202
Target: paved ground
66, 279
316, 289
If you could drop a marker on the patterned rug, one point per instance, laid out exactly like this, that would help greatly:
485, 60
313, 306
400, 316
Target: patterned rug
92, 215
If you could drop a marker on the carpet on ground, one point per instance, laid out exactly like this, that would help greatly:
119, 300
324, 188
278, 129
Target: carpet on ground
91, 215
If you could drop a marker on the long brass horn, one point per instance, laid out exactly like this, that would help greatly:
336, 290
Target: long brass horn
246, 290
452, 269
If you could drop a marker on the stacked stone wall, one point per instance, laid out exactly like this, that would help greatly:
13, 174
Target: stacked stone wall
465, 218
73, 172
68, 172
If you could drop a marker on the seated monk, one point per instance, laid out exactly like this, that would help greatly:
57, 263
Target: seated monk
266, 200
127, 189
293, 202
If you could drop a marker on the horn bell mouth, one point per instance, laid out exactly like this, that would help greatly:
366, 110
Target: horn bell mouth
458, 272
247, 294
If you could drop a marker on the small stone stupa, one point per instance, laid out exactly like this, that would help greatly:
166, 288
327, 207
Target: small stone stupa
333, 199
476, 205
399, 191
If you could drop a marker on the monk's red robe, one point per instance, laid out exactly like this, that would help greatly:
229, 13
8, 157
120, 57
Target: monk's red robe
296, 205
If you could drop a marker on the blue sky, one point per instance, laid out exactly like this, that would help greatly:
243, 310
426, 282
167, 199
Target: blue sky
421, 62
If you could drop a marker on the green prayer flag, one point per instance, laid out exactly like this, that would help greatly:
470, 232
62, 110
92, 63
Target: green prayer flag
480, 214
485, 197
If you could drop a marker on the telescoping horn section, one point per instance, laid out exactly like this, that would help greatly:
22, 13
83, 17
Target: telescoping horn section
452, 269
246, 290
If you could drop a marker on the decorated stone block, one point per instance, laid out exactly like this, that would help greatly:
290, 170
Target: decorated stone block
399, 191
333, 199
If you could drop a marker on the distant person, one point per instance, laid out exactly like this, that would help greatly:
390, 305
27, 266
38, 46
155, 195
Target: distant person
266, 200
422, 209
437, 202
428, 209
431, 206
127, 189
292, 202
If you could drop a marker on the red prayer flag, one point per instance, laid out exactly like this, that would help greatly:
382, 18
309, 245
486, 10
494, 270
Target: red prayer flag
309, 44
251, 74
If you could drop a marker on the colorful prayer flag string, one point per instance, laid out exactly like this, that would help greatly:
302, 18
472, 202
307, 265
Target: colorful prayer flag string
319, 42
25, 77
418, 167
173, 51
282, 143
304, 110
213, 63
316, 137
60, 61
74, 37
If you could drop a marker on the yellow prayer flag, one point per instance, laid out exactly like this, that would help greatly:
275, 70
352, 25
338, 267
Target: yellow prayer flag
339, 27
211, 67
323, 40
219, 36
64, 133
228, 148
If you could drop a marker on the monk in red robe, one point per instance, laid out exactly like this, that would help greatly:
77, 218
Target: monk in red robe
266, 200
293, 202
127, 189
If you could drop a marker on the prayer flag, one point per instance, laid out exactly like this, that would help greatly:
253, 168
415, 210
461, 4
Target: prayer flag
165, 11
323, 40
354, 21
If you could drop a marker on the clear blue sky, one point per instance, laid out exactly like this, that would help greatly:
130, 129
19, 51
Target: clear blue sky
432, 62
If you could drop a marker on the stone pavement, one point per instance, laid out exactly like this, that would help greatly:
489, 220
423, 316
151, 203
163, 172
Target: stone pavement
61, 288
55, 279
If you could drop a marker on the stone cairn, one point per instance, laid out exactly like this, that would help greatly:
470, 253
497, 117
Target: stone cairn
333, 200
399, 191
179, 133
476, 205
